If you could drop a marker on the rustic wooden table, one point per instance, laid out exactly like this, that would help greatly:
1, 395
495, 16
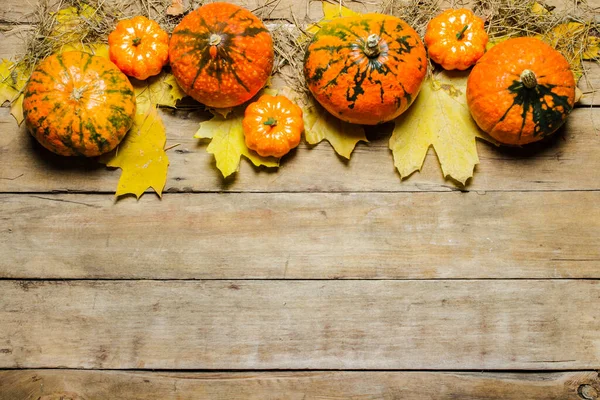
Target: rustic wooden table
326, 279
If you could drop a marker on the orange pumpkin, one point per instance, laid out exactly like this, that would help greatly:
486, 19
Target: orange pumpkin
456, 39
78, 104
272, 125
139, 47
221, 54
365, 69
521, 91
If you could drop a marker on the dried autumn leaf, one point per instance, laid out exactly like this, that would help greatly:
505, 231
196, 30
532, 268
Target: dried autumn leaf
12, 81
161, 90
440, 118
331, 11
141, 156
227, 143
176, 8
320, 125
71, 23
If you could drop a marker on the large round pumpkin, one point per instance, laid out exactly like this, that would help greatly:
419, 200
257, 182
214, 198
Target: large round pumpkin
365, 69
221, 54
521, 91
78, 104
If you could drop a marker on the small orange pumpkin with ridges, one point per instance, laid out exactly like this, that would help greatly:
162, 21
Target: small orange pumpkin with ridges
77, 104
139, 47
456, 39
365, 69
221, 54
521, 91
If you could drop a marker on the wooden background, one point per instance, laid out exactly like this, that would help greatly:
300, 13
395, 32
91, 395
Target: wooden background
328, 279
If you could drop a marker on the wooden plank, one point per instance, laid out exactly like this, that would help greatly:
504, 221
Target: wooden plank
305, 236
90, 385
590, 84
438, 325
570, 161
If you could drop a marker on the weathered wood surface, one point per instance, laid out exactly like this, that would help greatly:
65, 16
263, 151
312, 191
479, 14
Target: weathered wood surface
101, 385
568, 162
300, 235
438, 325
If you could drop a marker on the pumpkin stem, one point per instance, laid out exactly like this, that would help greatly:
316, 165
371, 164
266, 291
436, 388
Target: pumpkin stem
270, 121
77, 93
137, 41
460, 34
528, 79
372, 46
214, 40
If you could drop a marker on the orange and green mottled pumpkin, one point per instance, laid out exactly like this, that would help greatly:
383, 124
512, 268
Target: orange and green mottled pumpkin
221, 54
365, 69
77, 104
521, 91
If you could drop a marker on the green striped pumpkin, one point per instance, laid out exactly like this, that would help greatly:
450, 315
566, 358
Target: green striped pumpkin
77, 104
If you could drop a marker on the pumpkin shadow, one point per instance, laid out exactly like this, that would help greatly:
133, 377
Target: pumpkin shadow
547, 144
54, 162
378, 133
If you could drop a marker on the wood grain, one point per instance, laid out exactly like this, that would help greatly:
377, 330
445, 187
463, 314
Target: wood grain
438, 325
314, 236
100, 385
569, 161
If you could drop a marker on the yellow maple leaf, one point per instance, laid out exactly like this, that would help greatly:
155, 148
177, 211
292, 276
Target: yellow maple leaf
141, 156
440, 118
227, 143
13, 79
72, 23
161, 90
320, 125
331, 11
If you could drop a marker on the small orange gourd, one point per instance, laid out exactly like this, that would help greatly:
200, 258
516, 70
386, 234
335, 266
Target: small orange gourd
456, 39
272, 125
139, 47
521, 91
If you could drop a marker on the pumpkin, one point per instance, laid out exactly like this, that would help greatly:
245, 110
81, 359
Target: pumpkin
365, 69
456, 39
139, 47
521, 91
78, 104
221, 54
272, 125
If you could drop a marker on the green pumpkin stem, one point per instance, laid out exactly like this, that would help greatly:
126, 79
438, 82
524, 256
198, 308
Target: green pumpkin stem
460, 34
137, 41
372, 47
270, 121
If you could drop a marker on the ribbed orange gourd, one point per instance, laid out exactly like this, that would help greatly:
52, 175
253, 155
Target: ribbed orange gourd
521, 91
78, 104
456, 39
221, 54
272, 125
139, 47
365, 69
